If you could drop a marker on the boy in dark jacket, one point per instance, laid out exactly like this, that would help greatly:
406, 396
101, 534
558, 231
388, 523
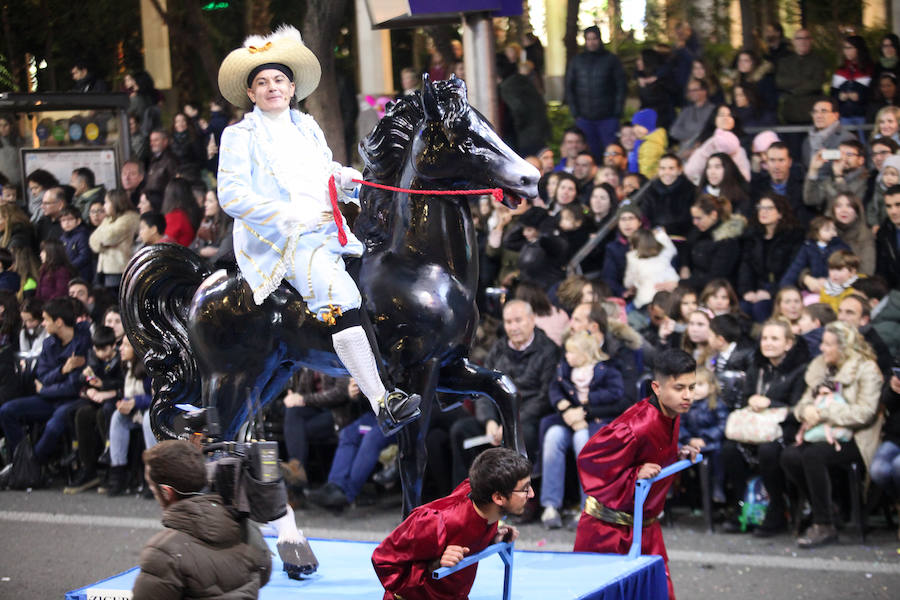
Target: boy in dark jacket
812, 322
733, 356
75, 241
102, 387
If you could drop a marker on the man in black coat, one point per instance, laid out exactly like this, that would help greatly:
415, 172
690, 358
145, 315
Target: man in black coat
781, 177
529, 358
887, 241
595, 91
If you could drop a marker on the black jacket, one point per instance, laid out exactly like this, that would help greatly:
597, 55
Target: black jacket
714, 253
763, 262
669, 206
531, 370
784, 384
887, 254
761, 183
595, 86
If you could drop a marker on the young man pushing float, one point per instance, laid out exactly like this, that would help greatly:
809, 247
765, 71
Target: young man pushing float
273, 178
635, 446
441, 533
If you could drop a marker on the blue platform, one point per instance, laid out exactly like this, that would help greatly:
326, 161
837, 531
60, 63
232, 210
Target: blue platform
345, 571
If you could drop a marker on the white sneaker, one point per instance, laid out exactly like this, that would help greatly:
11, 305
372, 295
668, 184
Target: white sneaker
551, 518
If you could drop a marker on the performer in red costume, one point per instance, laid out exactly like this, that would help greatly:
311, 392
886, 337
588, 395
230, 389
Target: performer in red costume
441, 533
636, 446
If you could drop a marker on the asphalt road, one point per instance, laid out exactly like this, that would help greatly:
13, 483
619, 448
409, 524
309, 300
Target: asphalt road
51, 543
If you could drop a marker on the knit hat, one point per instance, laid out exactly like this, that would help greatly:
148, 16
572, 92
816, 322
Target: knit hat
726, 142
763, 140
630, 207
646, 118
891, 161
282, 47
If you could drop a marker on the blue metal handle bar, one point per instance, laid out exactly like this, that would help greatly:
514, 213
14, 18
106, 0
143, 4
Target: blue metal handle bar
642, 489
504, 549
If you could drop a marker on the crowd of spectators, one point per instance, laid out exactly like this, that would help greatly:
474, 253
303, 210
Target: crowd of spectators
64, 245
773, 258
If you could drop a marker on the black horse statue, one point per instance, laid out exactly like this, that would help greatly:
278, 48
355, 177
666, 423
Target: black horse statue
206, 343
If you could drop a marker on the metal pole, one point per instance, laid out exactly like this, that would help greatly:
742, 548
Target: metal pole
479, 59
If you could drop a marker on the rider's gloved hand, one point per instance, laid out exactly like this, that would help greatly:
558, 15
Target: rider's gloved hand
348, 174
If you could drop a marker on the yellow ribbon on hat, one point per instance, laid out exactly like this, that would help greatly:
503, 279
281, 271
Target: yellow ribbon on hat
254, 49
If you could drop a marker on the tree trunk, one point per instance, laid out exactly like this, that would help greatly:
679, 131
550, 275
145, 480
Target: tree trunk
193, 28
570, 40
748, 24
616, 34
258, 17
320, 28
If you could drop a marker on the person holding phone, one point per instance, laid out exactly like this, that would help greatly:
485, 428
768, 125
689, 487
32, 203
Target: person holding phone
834, 172
57, 384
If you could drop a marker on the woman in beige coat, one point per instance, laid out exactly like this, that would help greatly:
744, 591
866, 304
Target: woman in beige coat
113, 239
843, 386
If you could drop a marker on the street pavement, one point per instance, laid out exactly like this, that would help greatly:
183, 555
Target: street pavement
51, 543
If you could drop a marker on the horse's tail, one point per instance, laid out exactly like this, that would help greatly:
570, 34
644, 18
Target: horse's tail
155, 297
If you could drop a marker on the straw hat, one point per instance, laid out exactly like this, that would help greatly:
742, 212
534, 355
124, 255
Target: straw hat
283, 46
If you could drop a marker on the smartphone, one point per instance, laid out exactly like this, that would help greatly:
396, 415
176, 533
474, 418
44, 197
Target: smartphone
896, 371
831, 154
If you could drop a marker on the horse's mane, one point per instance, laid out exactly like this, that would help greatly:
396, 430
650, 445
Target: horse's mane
385, 150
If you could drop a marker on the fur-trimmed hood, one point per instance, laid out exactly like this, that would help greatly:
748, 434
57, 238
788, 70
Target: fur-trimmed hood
731, 228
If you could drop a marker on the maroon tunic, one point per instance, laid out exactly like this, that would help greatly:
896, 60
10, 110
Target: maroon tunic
405, 559
608, 467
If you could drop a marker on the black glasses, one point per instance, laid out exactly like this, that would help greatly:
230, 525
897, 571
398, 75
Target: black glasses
524, 490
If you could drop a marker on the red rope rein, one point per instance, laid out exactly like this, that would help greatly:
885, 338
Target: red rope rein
497, 193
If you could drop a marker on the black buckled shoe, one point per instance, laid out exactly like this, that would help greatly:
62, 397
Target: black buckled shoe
398, 409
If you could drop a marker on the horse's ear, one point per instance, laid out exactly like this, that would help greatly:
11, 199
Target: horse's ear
430, 104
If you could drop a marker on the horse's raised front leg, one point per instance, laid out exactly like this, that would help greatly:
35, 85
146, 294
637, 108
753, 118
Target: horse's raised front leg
411, 439
464, 377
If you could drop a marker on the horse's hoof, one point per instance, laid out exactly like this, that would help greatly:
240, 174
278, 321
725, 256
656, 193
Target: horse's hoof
298, 558
398, 410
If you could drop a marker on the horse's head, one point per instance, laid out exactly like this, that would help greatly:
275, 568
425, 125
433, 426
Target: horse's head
456, 144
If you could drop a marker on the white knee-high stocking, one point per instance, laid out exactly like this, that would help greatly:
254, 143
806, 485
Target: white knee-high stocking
352, 347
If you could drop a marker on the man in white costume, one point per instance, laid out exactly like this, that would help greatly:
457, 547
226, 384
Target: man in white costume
274, 169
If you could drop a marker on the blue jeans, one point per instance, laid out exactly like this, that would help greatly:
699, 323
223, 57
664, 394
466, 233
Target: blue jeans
120, 428
357, 453
57, 412
558, 440
885, 468
598, 134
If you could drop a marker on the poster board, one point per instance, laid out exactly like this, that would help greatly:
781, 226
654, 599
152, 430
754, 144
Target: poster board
62, 161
